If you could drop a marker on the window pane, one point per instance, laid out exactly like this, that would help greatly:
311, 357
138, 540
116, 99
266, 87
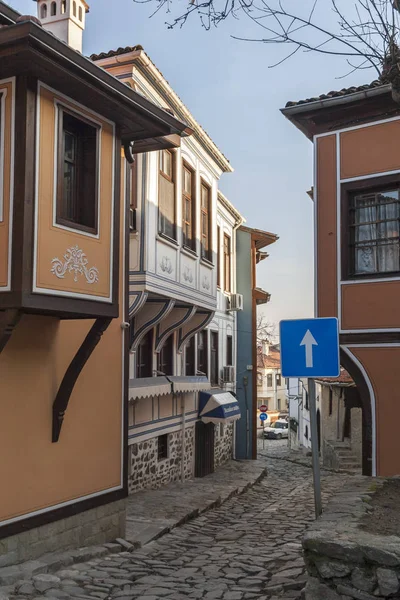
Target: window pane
187, 181
388, 257
365, 259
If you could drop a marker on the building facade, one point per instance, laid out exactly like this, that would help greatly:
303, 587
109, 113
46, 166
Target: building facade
66, 142
271, 386
357, 204
182, 286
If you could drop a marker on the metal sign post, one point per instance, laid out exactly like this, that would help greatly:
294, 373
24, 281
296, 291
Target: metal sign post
310, 349
314, 448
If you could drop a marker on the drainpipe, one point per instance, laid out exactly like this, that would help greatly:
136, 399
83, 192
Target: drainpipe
183, 437
245, 384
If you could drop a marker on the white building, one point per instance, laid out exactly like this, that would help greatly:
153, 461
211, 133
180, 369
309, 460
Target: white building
181, 283
271, 387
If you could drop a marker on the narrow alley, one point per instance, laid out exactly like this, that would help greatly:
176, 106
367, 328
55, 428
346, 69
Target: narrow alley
247, 548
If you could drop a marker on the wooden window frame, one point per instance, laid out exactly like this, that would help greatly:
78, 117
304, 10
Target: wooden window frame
192, 199
168, 349
149, 356
348, 191
214, 353
171, 179
206, 254
60, 220
228, 271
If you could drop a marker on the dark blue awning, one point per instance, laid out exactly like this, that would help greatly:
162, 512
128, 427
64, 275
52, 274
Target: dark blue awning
218, 406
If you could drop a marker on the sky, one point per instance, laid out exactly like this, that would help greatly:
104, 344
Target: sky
231, 91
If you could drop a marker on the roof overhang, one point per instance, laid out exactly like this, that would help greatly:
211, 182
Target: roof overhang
8, 15
28, 49
261, 296
260, 238
330, 114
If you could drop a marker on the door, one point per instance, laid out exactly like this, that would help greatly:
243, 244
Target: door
214, 359
204, 449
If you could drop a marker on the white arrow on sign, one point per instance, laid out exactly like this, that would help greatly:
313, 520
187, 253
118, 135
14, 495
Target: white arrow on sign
309, 341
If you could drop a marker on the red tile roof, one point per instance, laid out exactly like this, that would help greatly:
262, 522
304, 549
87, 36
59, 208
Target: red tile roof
344, 378
337, 93
268, 361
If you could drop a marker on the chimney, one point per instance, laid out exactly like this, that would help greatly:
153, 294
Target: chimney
65, 19
265, 347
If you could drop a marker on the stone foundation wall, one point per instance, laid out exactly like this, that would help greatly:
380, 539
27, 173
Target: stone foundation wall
345, 561
147, 472
90, 528
223, 444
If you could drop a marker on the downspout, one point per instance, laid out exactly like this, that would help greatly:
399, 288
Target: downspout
183, 437
239, 223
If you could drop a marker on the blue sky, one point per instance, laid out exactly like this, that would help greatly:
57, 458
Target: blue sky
230, 90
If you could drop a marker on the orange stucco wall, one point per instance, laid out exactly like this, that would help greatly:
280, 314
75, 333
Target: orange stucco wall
53, 241
382, 367
326, 227
371, 305
7, 89
88, 457
369, 150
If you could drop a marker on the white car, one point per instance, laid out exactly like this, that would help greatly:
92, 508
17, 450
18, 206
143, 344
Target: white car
278, 430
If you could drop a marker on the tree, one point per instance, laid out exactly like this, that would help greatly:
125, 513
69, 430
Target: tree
266, 331
365, 33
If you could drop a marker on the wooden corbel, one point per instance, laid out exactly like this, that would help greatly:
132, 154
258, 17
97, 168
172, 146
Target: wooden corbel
8, 320
70, 378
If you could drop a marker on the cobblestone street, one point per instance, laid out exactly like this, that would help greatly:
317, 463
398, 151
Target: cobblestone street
247, 548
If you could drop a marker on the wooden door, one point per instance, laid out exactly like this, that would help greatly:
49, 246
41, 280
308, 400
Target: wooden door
204, 450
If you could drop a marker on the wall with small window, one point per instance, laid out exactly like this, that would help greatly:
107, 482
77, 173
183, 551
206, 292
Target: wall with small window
7, 91
358, 227
75, 228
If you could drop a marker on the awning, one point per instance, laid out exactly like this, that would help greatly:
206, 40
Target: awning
193, 383
145, 387
218, 406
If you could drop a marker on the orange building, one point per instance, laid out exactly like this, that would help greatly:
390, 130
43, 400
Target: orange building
355, 133
68, 132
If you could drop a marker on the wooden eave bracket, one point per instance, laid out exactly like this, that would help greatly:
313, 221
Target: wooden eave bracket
70, 378
8, 321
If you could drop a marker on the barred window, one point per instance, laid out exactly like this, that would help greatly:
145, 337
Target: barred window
374, 233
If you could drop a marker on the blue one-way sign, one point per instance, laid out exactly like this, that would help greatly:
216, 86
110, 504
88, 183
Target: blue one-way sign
310, 348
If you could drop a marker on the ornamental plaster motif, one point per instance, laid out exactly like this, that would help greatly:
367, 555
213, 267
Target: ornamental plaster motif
166, 265
75, 262
205, 283
187, 274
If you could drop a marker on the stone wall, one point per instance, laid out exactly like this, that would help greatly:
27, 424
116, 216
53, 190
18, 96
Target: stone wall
223, 444
356, 432
89, 528
147, 472
344, 561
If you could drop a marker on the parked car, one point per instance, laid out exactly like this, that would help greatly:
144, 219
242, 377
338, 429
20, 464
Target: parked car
277, 431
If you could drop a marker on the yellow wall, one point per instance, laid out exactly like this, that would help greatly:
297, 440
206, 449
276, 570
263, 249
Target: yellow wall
54, 241
8, 89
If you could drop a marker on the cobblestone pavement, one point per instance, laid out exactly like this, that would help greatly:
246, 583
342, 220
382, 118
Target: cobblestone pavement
247, 548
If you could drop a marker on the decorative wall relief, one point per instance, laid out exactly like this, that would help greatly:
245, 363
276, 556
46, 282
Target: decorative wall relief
187, 274
75, 262
166, 265
205, 283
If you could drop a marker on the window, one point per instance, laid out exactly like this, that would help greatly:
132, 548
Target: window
205, 222
165, 363
80, 14
53, 9
144, 356
74, 8
214, 358
43, 11
188, 208
306, 432
279, 404
330, 401
259, 381
162, 447
77, 173
227, 263
166, 195
269, 380
202, 350
229, 350
374, 221
278, 379
219, 256
189, 356
307, 406
63, 6
131, 194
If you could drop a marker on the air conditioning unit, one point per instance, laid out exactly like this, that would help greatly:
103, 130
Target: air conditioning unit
235, 302
132, 219
228, 374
